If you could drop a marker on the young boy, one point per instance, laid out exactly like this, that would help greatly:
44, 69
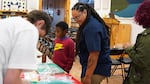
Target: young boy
63, 54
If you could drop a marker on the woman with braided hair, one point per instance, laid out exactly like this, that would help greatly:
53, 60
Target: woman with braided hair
92, 44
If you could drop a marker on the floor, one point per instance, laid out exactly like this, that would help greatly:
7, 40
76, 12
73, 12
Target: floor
115, 79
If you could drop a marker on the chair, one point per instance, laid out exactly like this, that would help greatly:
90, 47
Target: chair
125, 61
116, 62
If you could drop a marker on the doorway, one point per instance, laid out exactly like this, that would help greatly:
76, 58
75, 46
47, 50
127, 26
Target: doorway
56, 9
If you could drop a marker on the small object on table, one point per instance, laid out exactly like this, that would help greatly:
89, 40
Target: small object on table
44, 58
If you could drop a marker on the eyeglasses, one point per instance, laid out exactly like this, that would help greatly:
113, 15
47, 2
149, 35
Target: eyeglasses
77, 17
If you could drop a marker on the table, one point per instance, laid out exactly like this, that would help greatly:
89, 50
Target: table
49, 73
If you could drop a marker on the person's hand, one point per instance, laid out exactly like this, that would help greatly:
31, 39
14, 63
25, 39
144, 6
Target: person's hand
87, 80
126, 45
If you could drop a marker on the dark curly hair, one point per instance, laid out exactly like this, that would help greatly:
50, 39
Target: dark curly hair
63, 25
142, 16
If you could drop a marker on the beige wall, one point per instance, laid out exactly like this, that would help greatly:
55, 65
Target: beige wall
32, 4
135, 28
102, 7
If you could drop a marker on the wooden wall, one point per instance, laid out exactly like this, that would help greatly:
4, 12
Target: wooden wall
67, 12
40, 4
120, 34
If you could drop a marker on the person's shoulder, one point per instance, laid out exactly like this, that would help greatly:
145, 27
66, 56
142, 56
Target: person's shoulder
11, 20
15, 19
18, 24
92, 26
70, 40
27, 23
93, 20
24, 24
19, 21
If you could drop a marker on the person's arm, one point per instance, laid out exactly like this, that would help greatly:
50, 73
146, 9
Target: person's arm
22, 57
140, 52
92, 62
13, 76
71, 55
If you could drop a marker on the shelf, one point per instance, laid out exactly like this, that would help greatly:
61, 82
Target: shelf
12, 13
111, 21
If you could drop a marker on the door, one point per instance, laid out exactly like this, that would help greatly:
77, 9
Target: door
58, 9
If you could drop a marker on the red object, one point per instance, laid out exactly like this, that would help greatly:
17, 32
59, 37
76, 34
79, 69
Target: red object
44, 58
60, 75
66, 74
64, 54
